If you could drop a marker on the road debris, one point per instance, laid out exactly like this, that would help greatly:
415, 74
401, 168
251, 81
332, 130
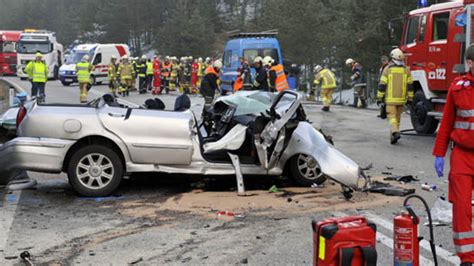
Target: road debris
26, 257
389, 190
404, 179
429, 187
136, 261
11, 257
244, 261
442, 212
273, 189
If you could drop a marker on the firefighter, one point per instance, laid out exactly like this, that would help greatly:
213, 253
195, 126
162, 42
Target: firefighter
141, 71
208, 89
165, 75
358, 82
244, 76
156, 76
207, 63
83, 70
261, 81
149, 75
112, 75
174, 73
327, 80
200, 72
383, 108
135, 71
457, 126
276, 75
194, 75
396, 90
37, 72
126, 73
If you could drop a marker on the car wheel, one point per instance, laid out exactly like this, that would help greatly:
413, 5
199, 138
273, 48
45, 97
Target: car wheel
305, 170
421, 121
95, 171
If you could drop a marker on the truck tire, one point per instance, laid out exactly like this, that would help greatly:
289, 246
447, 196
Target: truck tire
422, 123
95, 171
305, 170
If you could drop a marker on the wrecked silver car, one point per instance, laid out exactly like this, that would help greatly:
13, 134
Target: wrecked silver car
97, 144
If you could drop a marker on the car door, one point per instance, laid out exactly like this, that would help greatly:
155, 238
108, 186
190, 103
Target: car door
272, 138
151, 136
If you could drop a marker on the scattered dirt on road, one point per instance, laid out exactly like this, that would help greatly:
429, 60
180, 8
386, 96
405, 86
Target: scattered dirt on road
288, 200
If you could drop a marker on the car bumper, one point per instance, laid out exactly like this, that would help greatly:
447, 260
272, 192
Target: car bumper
67, 78
32, 154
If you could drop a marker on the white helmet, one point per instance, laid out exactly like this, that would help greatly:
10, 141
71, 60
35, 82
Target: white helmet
217, 64
317, 69
143, 57
113, 57
167, 58
349, 61
190, 57
125, 57
200, 60
85, 58
257, 59
397, 54
267, 60
208, 59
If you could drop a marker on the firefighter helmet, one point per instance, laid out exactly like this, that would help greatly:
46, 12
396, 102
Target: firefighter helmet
397, 54
349, 61
217, 64
143, 57
113, 57
39, 55
317, 69
125, 57
257, 59
85, 58
267, 60
200, 60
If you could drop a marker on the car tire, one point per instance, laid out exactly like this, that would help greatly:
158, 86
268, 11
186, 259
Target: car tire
305, 170
422, 123
95, 171
56, 73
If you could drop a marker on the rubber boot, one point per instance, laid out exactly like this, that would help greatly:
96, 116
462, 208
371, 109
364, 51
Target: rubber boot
395, 137
356, 101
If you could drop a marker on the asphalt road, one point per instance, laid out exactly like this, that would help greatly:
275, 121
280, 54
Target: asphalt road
140, 224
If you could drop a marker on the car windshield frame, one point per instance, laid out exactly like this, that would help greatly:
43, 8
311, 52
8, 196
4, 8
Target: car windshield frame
43, 47
255, 102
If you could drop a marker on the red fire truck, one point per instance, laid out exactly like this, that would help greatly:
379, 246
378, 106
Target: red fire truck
8, 40
434, 40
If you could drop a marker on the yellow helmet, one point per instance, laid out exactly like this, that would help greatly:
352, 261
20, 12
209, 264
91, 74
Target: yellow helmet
38, 54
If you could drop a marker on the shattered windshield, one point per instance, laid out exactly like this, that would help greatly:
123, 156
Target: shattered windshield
251, 102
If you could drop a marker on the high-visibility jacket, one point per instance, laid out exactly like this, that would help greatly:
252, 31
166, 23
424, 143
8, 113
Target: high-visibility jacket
83, 70
125, 71
112, 71
396, 85
210, 82
326, 78
280, 81
200, 71
37, 71
458, 117
174, 70
149, 68
141, 68
165, 70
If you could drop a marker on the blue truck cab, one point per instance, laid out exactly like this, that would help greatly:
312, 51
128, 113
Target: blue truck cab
249, 46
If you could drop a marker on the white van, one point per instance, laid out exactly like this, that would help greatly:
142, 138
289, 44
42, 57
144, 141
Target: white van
99, 54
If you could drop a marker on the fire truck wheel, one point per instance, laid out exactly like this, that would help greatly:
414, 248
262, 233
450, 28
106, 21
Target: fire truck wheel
421, 121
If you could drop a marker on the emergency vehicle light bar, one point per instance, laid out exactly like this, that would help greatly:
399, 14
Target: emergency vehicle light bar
270, 33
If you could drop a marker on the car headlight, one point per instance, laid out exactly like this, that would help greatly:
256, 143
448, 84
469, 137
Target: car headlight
73, 73
62, 72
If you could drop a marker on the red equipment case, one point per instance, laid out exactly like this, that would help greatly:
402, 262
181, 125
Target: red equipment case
347, 241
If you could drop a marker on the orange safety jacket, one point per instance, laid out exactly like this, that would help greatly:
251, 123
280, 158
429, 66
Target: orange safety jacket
165, 70
280, 82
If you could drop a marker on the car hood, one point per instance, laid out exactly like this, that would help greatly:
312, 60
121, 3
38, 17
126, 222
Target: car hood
69, 67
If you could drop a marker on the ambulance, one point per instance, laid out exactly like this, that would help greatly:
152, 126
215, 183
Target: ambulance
99, 56
33, 41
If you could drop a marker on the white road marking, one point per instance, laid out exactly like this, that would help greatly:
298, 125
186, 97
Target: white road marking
440, 252
7, 215
387, 241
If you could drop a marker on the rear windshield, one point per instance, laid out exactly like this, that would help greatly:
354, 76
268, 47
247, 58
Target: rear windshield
250, 54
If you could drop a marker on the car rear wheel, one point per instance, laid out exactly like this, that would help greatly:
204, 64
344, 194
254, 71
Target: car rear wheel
305, 170
95, 171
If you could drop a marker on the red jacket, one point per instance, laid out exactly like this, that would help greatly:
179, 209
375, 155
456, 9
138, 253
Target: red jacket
458, 117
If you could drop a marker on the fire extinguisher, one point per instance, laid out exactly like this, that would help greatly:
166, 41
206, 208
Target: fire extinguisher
406, 242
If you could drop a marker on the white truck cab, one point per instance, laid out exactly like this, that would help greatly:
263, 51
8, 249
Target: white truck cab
100, 56
33, 41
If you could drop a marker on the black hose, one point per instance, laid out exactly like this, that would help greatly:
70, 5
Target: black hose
430, 224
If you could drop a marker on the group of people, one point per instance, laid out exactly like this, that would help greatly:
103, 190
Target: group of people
269, 75
157, 76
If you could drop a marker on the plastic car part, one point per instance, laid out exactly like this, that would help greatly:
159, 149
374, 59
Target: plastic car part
233, 140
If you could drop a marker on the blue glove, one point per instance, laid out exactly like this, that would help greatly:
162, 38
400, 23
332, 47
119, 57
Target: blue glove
439, 166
